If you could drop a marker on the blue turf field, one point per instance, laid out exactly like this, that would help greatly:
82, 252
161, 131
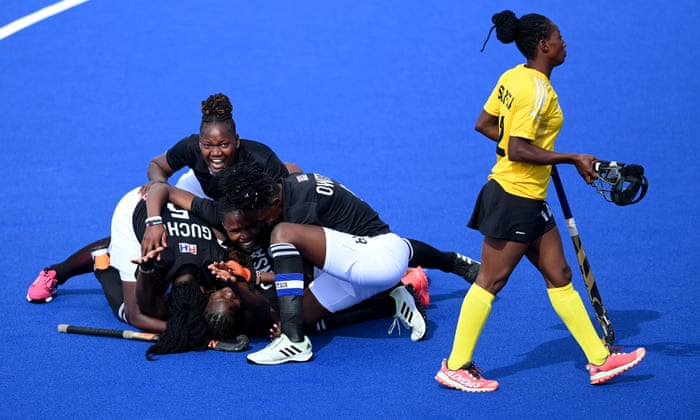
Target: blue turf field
381, 95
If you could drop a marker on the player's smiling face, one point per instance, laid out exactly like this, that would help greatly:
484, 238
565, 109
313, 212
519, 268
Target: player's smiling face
242, 228
219, 146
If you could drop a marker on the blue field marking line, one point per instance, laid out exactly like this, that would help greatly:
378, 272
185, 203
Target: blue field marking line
41, 14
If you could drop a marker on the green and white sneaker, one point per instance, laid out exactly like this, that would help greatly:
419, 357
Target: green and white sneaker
282, 350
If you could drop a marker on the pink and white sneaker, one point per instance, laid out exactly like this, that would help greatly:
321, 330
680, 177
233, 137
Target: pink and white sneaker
417, 278
467, 379
44, 287
614, 365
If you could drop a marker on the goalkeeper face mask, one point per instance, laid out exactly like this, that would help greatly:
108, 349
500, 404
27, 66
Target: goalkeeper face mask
621, 184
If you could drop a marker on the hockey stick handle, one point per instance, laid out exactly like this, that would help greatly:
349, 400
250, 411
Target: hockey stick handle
561, 194
104, 332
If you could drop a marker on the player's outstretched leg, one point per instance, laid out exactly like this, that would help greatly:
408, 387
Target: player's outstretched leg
45, 286
291, 345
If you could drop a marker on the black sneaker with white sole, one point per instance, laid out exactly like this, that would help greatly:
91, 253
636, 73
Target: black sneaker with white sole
465, 267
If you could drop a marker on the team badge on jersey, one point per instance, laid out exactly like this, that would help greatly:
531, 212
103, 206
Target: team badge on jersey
187, 248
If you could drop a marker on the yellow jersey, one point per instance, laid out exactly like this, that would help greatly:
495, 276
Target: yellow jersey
526, 106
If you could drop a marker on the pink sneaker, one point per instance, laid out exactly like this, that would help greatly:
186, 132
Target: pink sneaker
614, 365
417, 278
467, 379
44, 287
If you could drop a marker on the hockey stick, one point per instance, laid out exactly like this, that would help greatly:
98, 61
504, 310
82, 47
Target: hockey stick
104, 332
591, 286
239, 344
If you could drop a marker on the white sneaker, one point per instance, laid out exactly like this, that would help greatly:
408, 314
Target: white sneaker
282, 350
409, 312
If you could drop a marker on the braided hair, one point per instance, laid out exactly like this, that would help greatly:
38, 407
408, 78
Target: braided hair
186, 328
243, 188
217, 108
527, 31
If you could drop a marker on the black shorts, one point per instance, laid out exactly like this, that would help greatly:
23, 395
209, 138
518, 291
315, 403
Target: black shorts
500, 215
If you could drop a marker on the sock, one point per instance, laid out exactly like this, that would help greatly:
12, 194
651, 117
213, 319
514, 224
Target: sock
289, 283
112, 287
376, 307
78, 263
568, 305
476, 308
427, 256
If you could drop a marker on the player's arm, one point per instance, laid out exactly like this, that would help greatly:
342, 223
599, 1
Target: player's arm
155, 238
255, 305
135, 316
522, 150
163, 193
487, 125
159, 171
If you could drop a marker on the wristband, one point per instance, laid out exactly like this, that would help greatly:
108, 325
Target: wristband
153, 221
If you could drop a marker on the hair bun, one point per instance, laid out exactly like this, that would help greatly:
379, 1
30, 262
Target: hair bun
217, 107
507, 26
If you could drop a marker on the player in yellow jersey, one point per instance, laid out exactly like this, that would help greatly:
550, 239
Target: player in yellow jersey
523, 117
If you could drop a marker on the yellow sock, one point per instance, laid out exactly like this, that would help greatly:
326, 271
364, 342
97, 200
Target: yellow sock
568, 305
476, 308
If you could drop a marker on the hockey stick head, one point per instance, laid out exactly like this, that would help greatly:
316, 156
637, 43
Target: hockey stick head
619, 183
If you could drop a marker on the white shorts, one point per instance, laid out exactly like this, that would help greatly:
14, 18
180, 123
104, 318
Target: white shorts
124, 246
358, 267
189, 182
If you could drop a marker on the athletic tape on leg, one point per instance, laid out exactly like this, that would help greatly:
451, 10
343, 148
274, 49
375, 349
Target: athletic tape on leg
289, 284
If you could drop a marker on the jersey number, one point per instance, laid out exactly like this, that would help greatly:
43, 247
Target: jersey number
178, 213
499, 150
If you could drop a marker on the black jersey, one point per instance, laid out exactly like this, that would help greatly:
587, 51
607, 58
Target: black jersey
186, 152
191, 241
313, 199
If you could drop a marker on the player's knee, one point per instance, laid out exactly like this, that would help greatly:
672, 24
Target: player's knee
560, 277
283, 233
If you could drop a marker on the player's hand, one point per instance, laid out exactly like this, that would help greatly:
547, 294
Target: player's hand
221, 271
584, 166
147, 186
154, 239
151, 255
227, 270
275, 330
236, 268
